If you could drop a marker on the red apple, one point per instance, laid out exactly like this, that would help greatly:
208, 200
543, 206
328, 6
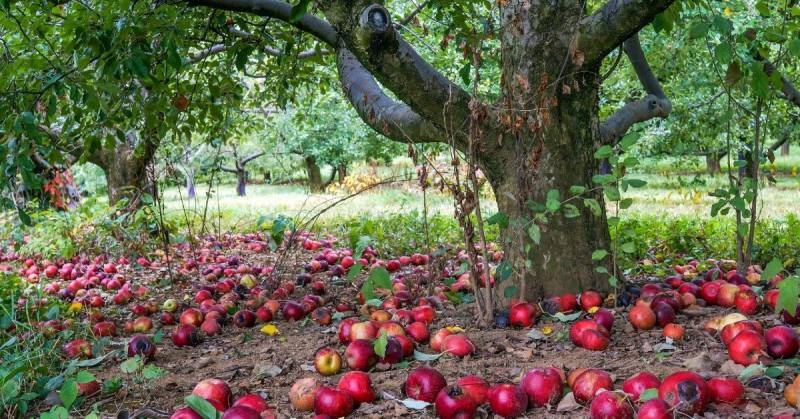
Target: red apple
241, 412
142, 324
438, 338
215, 391
293, 310
359, 385
302, 394
363, 330
523, 314
360, 355
77, 348
732, 330
654, 409
185, 413
244, 318
453, 403
579, 327
604, 317
747, 348
610, 404
333, 402
345, 328
191, 316
640, 382
458, 345
709, 292
424, 314
104, 329
727, 295
507, 400
587, 384
424, 384
726, 390
746, 302
252, 401
686, 392
475, 387
543, 387
782, 342
418, 331
642, 317
185, 334
594, 340
141, 345
590, 299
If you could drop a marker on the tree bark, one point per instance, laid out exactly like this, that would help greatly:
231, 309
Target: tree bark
314, 174
241, 182
713, 165
342, 172
785, 149
191, 191
550, 149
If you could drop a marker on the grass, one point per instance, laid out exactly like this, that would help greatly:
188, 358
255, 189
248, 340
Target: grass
665, 196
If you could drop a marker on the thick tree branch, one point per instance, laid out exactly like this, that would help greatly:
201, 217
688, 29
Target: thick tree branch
654, 105
790, 93
251, 158
367, 30
228, 169
607, 28
278, 10
385, 115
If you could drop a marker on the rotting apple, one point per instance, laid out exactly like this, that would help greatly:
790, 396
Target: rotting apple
302, 394
453, 403
686, 392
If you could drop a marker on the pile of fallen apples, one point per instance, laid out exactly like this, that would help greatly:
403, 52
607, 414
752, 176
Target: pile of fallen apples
233, 292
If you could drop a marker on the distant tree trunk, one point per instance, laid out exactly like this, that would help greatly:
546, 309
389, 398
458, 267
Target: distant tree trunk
241, 182
190, 188
342, 169
713, 165
314, 174
785, 149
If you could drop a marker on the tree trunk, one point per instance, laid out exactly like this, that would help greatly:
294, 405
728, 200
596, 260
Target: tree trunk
190, 188
785, 149
314, 174
125, 177
241, 182
713, 165
342, 171
551, 148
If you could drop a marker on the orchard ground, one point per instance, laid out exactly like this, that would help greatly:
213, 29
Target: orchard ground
254, 361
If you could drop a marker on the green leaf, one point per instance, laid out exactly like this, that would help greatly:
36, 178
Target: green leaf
298, 11
84, 377
698, 30
354, 270
565, 318
629, 140
774, 372
570, 211
423, 357
535, 233
500, 219
202, 407
628, 247
463, 72
794, 47
751, 371
68, 393
625, 203
380, 278
131, 365
637, 183
577, 189
593, 206
362, 243
152, 372
10, 390
773, 268
599, 254
789, 289
379, 346
368, 290
553, 202
510, 291
649, 394
503, 271
173, 58
604, 152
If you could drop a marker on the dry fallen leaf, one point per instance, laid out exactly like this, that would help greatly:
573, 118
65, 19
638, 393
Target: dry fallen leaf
568, 404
